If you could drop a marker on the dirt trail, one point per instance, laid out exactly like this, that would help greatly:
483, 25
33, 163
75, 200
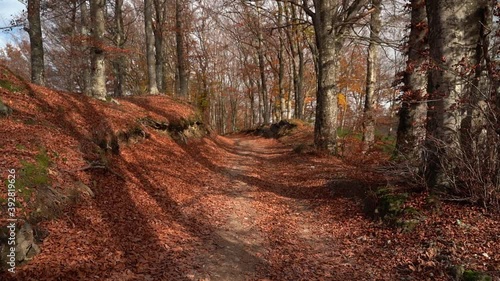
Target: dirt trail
245, 250
239, 241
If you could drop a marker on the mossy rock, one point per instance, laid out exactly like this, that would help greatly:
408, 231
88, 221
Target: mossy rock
4, 110
389, 206
8, 85
460, 273
471, 275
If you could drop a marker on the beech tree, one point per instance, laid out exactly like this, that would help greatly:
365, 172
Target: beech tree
295, 36
413, 112
160, 11
150, 47
98, 53
182, 68
455, 29
331, 20
119, 39
35, 34
371, 77
85, 85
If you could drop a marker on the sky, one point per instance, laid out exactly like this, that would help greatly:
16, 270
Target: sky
7, 9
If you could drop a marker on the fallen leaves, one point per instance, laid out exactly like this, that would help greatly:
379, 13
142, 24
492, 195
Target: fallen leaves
164, 216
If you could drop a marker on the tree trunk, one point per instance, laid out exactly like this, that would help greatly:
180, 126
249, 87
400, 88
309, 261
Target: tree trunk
182, 75
255, 117
281, 67
263, 81
36, 43
299, 91
331, 21
413, 112
150, 47
98, 55
371, 78
328, 45
85, 65
454, 31
473, 131
70, 81
297, 57
325, 129
119, 63
159, 48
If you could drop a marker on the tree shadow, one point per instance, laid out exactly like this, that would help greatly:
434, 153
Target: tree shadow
131, 232
338, 186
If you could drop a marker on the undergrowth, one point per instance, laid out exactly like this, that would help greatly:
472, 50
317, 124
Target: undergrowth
8, 85
392, 209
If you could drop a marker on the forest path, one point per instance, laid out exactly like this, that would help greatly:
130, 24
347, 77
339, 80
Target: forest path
270, 229
238, 241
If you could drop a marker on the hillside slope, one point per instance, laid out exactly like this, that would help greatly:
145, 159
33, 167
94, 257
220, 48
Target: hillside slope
67, 148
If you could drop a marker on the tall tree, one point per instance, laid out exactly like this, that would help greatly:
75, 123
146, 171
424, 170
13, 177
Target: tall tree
266, 113
454, 31
158, 30
413, 113
281, 66
150, 47
182, 71
331, 21
85, 24
98, 53
296, 38
371, 77
36, 42
119, 40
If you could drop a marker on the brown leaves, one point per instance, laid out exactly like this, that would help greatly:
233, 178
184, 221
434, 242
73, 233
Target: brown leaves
175, 207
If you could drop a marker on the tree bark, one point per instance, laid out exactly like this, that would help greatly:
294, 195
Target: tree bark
150, 47
160, 15
36, 43
98, 53
86, 73
281, 66
371, 78
119, 63
330, 25
413, 113
454, 31
263, 82
182, 74
297, 56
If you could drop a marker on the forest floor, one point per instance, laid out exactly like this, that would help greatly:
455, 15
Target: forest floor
247, 208
240, 207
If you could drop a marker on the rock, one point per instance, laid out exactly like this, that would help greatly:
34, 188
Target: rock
26, 247
33, 251
4, 110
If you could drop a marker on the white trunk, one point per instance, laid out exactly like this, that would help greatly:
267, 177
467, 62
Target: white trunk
98, 53
371, 78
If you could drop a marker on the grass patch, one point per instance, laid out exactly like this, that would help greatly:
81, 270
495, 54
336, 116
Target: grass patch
36, 174
20, 147
6, 84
